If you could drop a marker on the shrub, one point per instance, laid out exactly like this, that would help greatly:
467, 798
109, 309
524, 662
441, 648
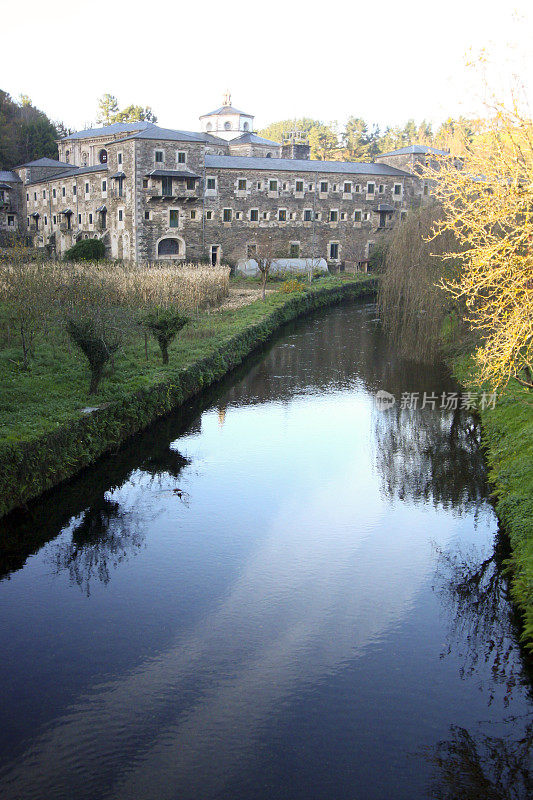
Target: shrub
95, 344
292, 285
86, 250
164, 324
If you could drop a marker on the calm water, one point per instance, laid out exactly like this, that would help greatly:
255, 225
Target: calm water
290, 594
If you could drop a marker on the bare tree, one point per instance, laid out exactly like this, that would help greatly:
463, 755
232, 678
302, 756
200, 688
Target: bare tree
269, 247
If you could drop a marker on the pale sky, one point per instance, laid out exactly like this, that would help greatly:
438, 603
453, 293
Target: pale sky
384, 61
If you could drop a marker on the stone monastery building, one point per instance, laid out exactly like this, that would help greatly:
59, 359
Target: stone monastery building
221, 194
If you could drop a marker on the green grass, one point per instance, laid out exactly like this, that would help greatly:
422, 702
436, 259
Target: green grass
507, 437
45, 437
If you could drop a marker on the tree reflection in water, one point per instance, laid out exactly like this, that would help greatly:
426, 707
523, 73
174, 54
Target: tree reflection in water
431, 456
483, 767
473, 590
104, 537
106, 533
482, 628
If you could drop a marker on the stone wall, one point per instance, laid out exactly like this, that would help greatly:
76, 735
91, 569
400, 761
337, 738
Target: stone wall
311, 219
225, 213
11, 205
50, 198
153, 211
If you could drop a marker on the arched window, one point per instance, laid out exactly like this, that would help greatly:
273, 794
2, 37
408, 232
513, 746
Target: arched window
168, 247
67, 156
102, 156
246, 126
269, 155
227, 126
209, 127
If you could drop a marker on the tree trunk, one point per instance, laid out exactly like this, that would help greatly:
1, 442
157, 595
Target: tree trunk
24, 348
164, 350
96, 374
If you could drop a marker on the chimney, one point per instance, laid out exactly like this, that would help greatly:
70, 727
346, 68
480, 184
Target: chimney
296, 145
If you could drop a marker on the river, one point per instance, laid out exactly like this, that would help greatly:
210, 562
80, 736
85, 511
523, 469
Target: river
282, 592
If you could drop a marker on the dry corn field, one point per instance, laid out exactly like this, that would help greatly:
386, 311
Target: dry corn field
187, 286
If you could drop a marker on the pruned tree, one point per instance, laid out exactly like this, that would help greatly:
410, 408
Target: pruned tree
98, 343
164, 324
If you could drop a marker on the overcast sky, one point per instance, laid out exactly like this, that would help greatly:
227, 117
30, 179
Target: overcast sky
385, 61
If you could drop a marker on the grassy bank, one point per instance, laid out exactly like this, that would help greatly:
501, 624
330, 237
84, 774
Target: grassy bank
508, 441
507, 438
46, 436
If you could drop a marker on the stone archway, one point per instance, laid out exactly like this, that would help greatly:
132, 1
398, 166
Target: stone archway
171, 247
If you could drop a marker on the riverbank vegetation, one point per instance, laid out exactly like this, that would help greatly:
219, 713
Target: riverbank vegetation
50, 427
459, 278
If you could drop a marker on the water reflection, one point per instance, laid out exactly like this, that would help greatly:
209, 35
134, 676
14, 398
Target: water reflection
101, 531
473, 589
103, 538
431, 456
474, 766
279, 634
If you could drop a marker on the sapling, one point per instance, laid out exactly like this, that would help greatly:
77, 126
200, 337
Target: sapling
164, 324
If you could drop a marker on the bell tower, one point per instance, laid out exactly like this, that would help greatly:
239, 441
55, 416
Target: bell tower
227, 122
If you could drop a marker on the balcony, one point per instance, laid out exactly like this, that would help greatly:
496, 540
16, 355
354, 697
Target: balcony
174, 185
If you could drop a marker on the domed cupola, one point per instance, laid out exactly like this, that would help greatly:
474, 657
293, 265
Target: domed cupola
227, 122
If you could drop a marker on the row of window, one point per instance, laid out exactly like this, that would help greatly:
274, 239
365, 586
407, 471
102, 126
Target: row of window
86, 218
159, 157
294, 250
308, 215
281, 215
300, 187
55, 192
242, 185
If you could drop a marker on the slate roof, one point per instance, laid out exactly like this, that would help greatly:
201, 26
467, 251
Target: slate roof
416, 149
172, 173
111, 130
302, 165
168, 134
225, 110
71, 172
45, 162
253, 138
9, 177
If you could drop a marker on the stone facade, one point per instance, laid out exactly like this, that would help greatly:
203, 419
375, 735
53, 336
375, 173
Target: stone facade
11, 205
159, 194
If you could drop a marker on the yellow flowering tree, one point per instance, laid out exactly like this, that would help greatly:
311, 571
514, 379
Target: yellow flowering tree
488, 207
